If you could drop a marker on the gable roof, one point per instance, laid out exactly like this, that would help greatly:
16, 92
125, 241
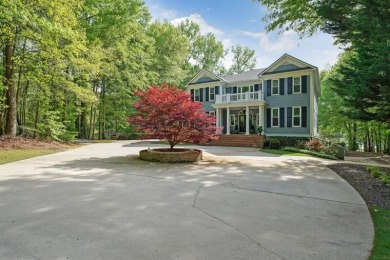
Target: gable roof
245, 76
206, 73
303, 65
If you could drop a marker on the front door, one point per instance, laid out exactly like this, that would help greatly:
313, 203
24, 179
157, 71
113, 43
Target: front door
242, 123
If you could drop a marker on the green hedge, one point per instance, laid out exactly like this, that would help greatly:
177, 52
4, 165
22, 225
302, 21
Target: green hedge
317, 154
291, 141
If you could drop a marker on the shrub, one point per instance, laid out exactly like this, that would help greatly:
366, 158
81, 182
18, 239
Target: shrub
274, 143
300, 144
290, 140
266, 143
313, 145
317, 154
380, 175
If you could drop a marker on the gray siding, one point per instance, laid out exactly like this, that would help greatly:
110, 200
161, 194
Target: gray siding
286, 67
204, 79
286, 100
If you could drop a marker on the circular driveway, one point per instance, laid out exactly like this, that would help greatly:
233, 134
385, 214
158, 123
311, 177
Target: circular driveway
101, 202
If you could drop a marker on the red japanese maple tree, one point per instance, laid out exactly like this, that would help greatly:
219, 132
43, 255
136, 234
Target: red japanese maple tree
168, 113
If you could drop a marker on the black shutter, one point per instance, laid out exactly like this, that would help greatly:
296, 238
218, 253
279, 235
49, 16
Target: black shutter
304, 84
207, 94
304, 117
268, 117
281, 86
201, 94
192, 95
289, 117
216, 90
234, 90
269, 87
281, 116
289, 85
256, 87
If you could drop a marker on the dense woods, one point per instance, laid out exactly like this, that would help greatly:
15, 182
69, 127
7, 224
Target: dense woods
70, 68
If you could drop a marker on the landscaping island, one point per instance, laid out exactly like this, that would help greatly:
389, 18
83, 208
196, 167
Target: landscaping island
166, 155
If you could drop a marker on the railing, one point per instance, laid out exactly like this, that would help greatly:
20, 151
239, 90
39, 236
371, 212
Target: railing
239, 97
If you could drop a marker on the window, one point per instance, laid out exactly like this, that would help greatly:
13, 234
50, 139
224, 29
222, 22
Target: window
197, 95
212, 94
275, 117
296, 116
275, 87
297, 84
232, 120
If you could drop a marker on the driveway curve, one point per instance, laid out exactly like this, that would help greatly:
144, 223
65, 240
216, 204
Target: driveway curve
101, 202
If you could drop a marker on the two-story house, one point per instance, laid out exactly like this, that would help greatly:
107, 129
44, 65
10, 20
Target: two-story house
281, 98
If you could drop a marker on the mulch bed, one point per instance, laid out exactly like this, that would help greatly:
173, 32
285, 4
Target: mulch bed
373, 191
18, 142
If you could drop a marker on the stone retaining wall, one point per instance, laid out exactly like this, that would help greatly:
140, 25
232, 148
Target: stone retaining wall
177, 156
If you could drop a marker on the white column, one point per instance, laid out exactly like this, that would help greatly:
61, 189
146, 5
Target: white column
217, 119
228, 121
247, 120
262, 116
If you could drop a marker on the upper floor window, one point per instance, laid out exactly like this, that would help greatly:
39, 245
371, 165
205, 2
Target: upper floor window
212, 94
275, 87
296, 116
197, 95
275, 117
297, 85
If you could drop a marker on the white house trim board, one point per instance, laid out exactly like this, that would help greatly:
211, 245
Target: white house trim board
311, 103
202, 73
238, 104
289, 74
286, 58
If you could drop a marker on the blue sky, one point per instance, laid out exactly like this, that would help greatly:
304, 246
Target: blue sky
239, 22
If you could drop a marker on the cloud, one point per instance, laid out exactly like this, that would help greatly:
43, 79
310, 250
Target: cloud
204, 26
168, 14
284, 42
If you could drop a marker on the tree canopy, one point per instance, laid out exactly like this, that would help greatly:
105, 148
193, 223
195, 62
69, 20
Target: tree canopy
168, 113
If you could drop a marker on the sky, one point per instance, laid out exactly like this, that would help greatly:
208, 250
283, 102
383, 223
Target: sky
239, 22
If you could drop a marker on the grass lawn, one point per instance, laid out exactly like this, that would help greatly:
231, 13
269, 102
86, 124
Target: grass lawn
381, 218
281, 152
7, 156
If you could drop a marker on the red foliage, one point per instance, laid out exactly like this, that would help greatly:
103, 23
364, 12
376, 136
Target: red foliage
168, 113
313, 145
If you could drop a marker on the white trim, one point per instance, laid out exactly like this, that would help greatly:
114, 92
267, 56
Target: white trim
300, 85
198, 95
300, 117
272, 87
272, 116
232, 116
204, 72
287, 134
286, 57
311, 116
211, 88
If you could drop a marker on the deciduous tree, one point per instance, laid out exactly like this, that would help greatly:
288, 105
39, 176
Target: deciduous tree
168, 113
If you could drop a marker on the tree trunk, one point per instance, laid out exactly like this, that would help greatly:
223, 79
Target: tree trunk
10, 122
354, 138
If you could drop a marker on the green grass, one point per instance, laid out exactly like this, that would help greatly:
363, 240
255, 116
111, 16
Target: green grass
381, 218
282, 152
7, 156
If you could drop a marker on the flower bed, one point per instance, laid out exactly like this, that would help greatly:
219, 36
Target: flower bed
166, 155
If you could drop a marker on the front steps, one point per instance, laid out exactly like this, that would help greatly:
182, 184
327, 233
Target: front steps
239, 140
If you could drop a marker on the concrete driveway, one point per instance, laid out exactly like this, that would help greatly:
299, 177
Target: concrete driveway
101, 202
